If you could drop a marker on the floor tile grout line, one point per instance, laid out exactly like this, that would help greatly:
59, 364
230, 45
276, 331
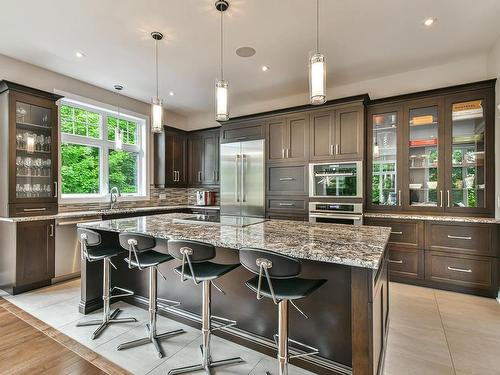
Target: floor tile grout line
444, 331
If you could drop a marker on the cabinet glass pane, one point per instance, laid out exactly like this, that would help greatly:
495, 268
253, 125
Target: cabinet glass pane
33, 151
384, 166
468, 146
423, 157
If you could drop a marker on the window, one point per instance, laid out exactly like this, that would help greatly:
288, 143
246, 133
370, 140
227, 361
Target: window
90, 164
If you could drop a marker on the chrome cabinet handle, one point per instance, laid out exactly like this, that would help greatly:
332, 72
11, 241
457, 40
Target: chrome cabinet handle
51, 230
287, 153
174, 173
331, 149
395, 261
287, 178
56, 192
283, 153
399, 197
448, 195
287, 204
466, 270
337, 149
34, 209
441, 197
396, 232
459, 237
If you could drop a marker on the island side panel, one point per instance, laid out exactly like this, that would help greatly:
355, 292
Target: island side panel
370, 318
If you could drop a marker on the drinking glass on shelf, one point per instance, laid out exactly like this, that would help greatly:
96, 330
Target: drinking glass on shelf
27, 190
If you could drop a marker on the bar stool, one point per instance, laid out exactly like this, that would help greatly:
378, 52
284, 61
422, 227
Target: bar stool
93, 251
196, 255
141, 255
277, 279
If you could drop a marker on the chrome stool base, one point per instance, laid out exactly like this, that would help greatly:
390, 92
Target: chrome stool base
151, 339
103, 324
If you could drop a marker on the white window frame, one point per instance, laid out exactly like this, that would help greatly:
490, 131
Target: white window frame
141, 149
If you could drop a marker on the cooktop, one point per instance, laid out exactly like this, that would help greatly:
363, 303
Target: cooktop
237, 221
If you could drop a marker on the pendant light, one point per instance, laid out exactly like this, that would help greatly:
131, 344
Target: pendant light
317, 70
156, 102
118, 130
221, 86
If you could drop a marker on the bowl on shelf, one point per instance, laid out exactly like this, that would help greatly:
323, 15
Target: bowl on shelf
432, 184
415, 186
469, 182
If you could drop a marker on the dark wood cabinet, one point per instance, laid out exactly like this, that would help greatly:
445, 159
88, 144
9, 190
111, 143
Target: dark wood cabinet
35, 254
288, 139
29, 134
204, 158
246, 130
287, 180
171, 158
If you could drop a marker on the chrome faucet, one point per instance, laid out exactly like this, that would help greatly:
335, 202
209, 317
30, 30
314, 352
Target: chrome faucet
114, 194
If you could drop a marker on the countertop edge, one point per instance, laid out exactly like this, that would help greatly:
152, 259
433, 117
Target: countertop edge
456, 219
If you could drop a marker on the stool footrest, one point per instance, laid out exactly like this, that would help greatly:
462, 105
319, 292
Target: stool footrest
168, 303
301, 349
124, 292
221, 323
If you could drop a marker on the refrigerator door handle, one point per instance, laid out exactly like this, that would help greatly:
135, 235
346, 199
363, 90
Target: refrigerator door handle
237, 182
243, 181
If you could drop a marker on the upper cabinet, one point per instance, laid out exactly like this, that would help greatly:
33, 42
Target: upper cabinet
288, 139
170, 158
203, 153
433, 154
337, 134
29, 151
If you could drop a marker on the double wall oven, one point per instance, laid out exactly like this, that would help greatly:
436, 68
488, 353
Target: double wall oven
342, 184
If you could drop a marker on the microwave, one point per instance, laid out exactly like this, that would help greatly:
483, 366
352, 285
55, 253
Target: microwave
336, 180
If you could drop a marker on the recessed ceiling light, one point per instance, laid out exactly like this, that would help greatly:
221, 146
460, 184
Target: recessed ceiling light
79, 54
171, 93
429, 21
265, 68
245, 51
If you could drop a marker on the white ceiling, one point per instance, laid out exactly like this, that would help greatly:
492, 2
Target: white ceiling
361, 39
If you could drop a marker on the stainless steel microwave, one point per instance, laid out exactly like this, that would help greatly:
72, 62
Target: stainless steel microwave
337, 180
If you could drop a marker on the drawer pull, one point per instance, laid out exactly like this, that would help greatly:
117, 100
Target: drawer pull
396, 232
468, 270
459, 237
34, 209
287, 179
395, 261
287, 204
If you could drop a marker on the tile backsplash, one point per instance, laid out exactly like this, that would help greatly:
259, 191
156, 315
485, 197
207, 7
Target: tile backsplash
174, 197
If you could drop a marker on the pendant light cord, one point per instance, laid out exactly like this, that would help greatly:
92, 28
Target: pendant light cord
317, 26
156, 70
221, 45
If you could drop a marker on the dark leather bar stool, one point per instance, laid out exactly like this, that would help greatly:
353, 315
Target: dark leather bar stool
142, 256
93, 251
196, 266
277, 278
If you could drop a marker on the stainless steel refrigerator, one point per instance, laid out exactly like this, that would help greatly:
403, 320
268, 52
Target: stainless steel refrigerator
242, 178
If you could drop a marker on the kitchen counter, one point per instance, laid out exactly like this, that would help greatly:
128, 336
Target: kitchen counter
341, 244
347, 316
459, 219
105, 212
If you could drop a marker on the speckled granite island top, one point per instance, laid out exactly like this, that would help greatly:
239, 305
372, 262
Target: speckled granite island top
360, 246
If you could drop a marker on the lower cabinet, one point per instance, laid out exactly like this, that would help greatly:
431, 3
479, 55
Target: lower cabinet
35, 247
287, 208
461, 257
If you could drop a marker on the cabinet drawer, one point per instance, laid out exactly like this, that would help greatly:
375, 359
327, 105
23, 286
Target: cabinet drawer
474, 238
293, 217
461, 270
408, 234
287, 180
408, 263
32, 209
278, 204
242, 132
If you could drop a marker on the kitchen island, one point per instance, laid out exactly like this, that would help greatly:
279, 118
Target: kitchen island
348, 316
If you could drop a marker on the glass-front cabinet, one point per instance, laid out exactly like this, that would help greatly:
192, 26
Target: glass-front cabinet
433, 154
32, 162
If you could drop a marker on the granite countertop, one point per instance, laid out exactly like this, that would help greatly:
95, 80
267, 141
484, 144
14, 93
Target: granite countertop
83, 214
360, 246
460, 219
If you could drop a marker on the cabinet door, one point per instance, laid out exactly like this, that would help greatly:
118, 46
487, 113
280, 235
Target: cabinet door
244, 131
35, 252
179, 159
348, 141
195, 159
210, 151
423, 145
276, 134
383, 189
321, 136
470, 153
297, 138
170, 172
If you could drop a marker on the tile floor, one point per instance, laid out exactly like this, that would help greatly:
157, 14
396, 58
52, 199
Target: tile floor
431, 332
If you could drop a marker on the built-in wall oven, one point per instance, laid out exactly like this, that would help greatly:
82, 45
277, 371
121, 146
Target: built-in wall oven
336, 213
331, 180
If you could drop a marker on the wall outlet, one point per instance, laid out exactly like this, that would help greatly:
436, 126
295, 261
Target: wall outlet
163, 196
